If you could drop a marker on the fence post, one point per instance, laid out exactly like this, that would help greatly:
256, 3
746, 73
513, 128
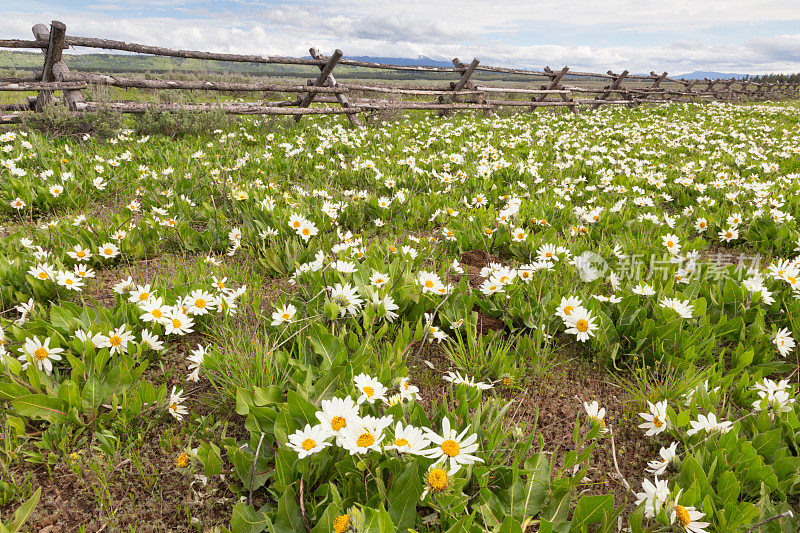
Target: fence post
658, 78
478, 98
710, 88
555, 85
55, 42
616, 81
330, 81
55, 68
459, 85
325, 71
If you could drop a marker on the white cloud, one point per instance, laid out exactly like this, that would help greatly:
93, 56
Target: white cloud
452, 29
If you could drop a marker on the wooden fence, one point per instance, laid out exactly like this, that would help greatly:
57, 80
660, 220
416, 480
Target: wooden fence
548, 88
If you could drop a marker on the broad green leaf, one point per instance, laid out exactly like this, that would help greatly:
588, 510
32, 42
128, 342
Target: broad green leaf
41, 406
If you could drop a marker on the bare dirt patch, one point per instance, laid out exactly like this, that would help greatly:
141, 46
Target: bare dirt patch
143, 490
551, 404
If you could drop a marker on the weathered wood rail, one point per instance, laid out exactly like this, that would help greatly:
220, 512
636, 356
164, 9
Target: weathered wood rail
548, 87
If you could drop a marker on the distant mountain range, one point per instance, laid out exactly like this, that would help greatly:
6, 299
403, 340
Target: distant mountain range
421, 60
128, 63
703, 74
428, 62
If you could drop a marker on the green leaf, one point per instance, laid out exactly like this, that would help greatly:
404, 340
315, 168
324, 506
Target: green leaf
301, 408
728, 488
22, 514
462, 524
592, 510
41, 406
377, 521
289, 518
11, 391
209, 455
62, 319
246, 520
767, 443
327, 345
510, 525
403, 498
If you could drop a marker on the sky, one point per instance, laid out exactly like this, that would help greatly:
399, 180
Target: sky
677, 36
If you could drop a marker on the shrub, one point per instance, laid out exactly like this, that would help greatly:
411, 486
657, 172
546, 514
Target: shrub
181, 123
56, 121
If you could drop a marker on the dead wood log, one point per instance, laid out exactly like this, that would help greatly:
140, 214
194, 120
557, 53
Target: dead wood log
10, 119
229, 108
555, 84
57, 69
617, 80
325, 71
330, 81
117, 81
42, 86
479, 97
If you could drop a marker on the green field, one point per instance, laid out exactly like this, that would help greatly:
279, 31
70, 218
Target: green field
530, 322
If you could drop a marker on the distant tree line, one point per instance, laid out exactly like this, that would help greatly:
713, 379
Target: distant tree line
775, 78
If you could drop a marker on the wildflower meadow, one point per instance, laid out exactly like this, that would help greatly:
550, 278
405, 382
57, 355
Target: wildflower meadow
523, 322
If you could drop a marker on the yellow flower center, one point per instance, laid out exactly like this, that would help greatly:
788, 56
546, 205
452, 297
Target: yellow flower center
657, 422
182, 461
306, 231
174, 406
176, 323
296, 224
582, 325
108, 251
42, 275
568, 310
429, 284
450, 448
40, 354
144, 296
308, 444
81, 254
400, 442
157, 313
670, 244
437, 480
116, 340
365, 439
200, 303
286, 316
341, 524
337, 423
369, 391
682, 515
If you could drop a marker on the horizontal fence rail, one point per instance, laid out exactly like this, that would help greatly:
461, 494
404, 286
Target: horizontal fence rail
351, 99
